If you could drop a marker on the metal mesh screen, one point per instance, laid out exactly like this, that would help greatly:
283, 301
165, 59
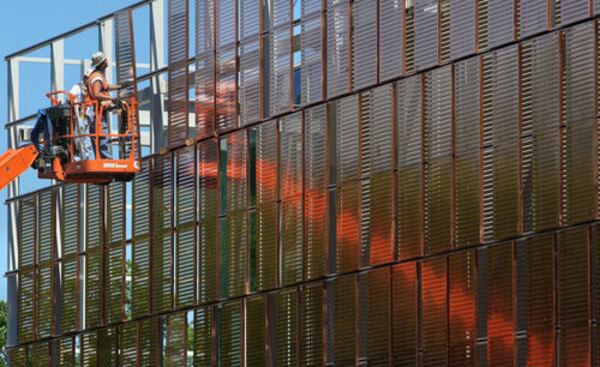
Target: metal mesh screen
178, 71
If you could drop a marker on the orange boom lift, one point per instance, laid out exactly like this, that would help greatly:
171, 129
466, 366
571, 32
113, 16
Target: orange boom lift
62, 163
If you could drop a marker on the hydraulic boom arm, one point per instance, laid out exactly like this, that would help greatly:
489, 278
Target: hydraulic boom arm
14, 162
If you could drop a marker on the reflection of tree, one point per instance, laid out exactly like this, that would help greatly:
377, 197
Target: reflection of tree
128, 273
3, 328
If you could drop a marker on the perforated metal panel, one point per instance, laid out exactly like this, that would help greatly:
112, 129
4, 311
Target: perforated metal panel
574, 10
467, 152
208, 227
256, 351
249, 81
410, 199
44, 306
500, 22
266, 206
391, 38
140, 269
226, 89
315, 191
115, 247
461, 309
291, 198
533, 17
311, 54
338, 46
107, 347
148, 342
162, 239
311, 327
205, 68
203, 336
230, 334
434, 303
176, 337
71, 234
94, 295
405, 314
342, 323
462, 28
364, 44
438, 175
573, 307
426, 33
178, 71
65, 351
27, 223
578, 151
185, 231
376, 316
128, 344
348, 188
286, 327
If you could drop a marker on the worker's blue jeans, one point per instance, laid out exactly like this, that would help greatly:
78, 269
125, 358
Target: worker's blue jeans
103, 142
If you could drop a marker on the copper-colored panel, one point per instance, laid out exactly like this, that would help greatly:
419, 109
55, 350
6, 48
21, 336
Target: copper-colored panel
204, 76
71, 234
203, 336
256, 349
140, 269
376, 316
178, 71
65, 351
364, 44
343, 314
149, 343
128, 344
107, 347
115, 252
311, 325
404, 314
286, 328
434, 327
461, 308
94, 269
176, 340
230, 334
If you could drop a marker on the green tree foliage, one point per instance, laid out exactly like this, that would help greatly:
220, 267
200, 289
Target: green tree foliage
3, 329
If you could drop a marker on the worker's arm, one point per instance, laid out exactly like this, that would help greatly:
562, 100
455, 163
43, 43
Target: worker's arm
97, 90
114, 87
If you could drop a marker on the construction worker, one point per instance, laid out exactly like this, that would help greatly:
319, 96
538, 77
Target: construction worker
83, 117
99, 90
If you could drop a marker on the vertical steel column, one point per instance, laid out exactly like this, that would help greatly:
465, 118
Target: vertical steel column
57, 64
13, 190
157, 61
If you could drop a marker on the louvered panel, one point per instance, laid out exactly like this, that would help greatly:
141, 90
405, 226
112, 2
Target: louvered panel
311, 340
499, 290
596, 291
347, 139
115, 242
409, 36
204, 77
203, 336
444, 31
178, 71
410, 200
482, 25
226, 22
405, 314
94, 290
185, 257
280, 12
461, 309
481, 300
573, 297
27, 224
434, 326
230, 334
378, 317
208, 229
338, 39
538, 280
162, 241
266, 164
438, 221
533, 17
311, 7
391, 38
226, 96
596, 6
89, 349
234, 255
574, 10
71, 224
467, 153
65, 352
315, 191
176, 340
291, 241
266, 247
255, 332
364, 44
487, 178
504, 126
462, 28
377, 221
39, 354
286, 328
149, 342
579, 86
26, 302
280, 70
426, 33
44, 295
311, 54
17, 356
140, 269
343, 313
249, 20
107, 347
545, 133
291, 156
236, 174
249, 79
500, 21
128, 344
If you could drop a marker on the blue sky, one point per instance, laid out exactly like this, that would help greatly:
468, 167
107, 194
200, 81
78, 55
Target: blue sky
22, 24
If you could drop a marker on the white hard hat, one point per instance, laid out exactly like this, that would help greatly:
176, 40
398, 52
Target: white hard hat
98, 58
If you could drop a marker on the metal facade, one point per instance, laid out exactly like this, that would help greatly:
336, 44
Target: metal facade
427, 195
